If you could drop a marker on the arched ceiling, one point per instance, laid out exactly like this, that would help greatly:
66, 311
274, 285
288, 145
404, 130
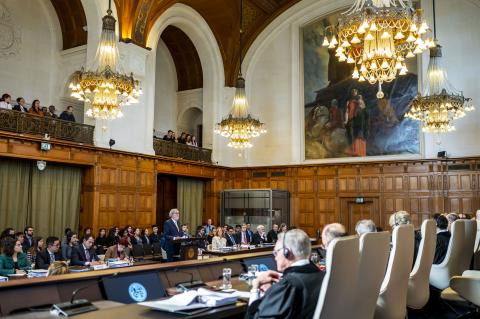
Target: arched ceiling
186, 59
72, 22
137, 17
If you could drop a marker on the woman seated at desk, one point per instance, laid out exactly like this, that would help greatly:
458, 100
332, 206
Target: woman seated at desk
119, 251
218, 240
12, 260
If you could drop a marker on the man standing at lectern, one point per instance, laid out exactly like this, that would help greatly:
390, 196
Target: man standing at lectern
171, 231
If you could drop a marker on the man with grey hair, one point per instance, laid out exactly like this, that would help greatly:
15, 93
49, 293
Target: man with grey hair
260, 236
365, 226
293, 295
171, 231
332, 231
399, 218
451, 218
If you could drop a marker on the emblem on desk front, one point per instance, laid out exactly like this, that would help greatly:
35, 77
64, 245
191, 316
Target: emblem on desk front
137, 292
190, 253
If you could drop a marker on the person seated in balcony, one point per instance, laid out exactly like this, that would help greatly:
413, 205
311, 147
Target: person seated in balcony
20, 107
51, 112
5, 102
35, 109
194, 141
183, 138
45, 111
67, 115
189, 140
169, 136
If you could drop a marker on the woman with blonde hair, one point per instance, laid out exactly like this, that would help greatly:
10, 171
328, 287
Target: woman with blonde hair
57, 268
218, 240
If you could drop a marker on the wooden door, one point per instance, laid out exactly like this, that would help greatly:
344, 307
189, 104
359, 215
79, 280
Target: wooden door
352, 212
166, 197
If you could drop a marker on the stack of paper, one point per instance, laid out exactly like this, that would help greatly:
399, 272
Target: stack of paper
190, 300
118, 264
37, 273
2, 279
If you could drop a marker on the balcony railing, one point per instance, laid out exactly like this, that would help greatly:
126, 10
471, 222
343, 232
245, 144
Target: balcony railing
25, 123
171, 149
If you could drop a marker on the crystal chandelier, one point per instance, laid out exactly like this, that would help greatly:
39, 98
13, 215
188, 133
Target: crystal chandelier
440, 104
239, 126
105, 89
376, 37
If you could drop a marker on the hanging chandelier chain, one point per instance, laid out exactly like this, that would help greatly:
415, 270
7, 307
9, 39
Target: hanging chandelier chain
434, 22
241, 35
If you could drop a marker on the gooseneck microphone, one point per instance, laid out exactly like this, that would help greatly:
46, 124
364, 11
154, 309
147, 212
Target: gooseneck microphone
76, 291
188, 285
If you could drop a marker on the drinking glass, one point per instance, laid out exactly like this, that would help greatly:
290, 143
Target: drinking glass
314, 258
227, 278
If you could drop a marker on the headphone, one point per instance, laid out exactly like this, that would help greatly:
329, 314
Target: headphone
286, 251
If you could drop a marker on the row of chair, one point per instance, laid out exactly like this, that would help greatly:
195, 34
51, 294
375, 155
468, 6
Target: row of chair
365, 278
147, 251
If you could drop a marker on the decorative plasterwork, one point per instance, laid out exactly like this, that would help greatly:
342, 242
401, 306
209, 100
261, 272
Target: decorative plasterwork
10, 33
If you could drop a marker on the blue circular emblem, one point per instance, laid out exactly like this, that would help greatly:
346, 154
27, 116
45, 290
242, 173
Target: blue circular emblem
137, 292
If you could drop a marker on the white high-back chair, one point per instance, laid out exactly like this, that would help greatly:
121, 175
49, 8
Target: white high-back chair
392, 300
467, 251
374, 251
476, 248
452, 263
337, 298
418, 284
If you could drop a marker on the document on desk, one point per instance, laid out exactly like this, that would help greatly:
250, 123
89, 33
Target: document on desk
191, 300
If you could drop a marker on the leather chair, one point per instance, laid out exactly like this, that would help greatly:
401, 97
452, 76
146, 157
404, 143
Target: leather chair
392, 300
452, 265
337, 298
418, 284
374, 251
464, 288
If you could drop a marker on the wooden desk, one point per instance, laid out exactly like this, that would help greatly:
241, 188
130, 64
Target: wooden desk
240, 251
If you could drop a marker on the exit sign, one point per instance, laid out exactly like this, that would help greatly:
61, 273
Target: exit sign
359, 200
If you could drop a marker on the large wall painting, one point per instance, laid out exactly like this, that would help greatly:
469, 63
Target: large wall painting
343, 117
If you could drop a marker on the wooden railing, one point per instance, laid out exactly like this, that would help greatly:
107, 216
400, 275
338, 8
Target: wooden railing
172, 149
25, 123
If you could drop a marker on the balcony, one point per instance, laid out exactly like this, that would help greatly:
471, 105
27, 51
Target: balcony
25, 123
171, 149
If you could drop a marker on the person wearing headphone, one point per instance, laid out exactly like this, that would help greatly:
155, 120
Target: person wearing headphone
293, 295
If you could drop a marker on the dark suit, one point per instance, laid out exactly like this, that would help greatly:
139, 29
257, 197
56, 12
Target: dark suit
272, 236
155, 238
257, 239
171, 230
232, 239
443, 239
79, 258
27, 243
247, 235
294, 296
43, 260
20, 108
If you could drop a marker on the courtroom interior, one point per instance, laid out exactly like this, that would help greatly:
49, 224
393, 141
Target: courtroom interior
240, 159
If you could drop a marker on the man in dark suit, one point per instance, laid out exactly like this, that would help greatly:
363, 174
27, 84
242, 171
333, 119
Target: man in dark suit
293, 295
260, 237
49, 255
244, 236
20, 105
155, 236
443, 239
249, 230
28, 242
84, 254
171, 231
232, 238
273, 234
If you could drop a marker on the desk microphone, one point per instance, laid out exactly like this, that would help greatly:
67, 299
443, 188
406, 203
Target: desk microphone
75, 307
191, 284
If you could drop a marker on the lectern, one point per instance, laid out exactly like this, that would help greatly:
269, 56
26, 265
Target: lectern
189, 247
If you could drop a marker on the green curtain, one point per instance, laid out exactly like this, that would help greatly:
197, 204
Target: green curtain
190, 202
48, 200
14, 193
55, 199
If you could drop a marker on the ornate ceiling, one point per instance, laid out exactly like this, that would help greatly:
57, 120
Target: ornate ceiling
137, 17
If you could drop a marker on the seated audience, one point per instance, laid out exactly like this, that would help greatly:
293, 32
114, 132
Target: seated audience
101, 241
8, 232
84, 254
137, 237
232, 239
155, 237
71, 242
189, 140
12, 260
451, 218
113, 236
443, 239
87, 232
35, 109
57, 268
51, 112
183, 138
273, 234
146, 236
21, 238
244, 237
329, 233
64, 238
169, 136
201, 234
260, 236
119, 251
238, 228
365, 226
184, 233
209, 227
44, 110
218, 240
67, 115
5, 102
399, 218
49, 255
249, 229
20, 105
194, 141
293, 295
37, 247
